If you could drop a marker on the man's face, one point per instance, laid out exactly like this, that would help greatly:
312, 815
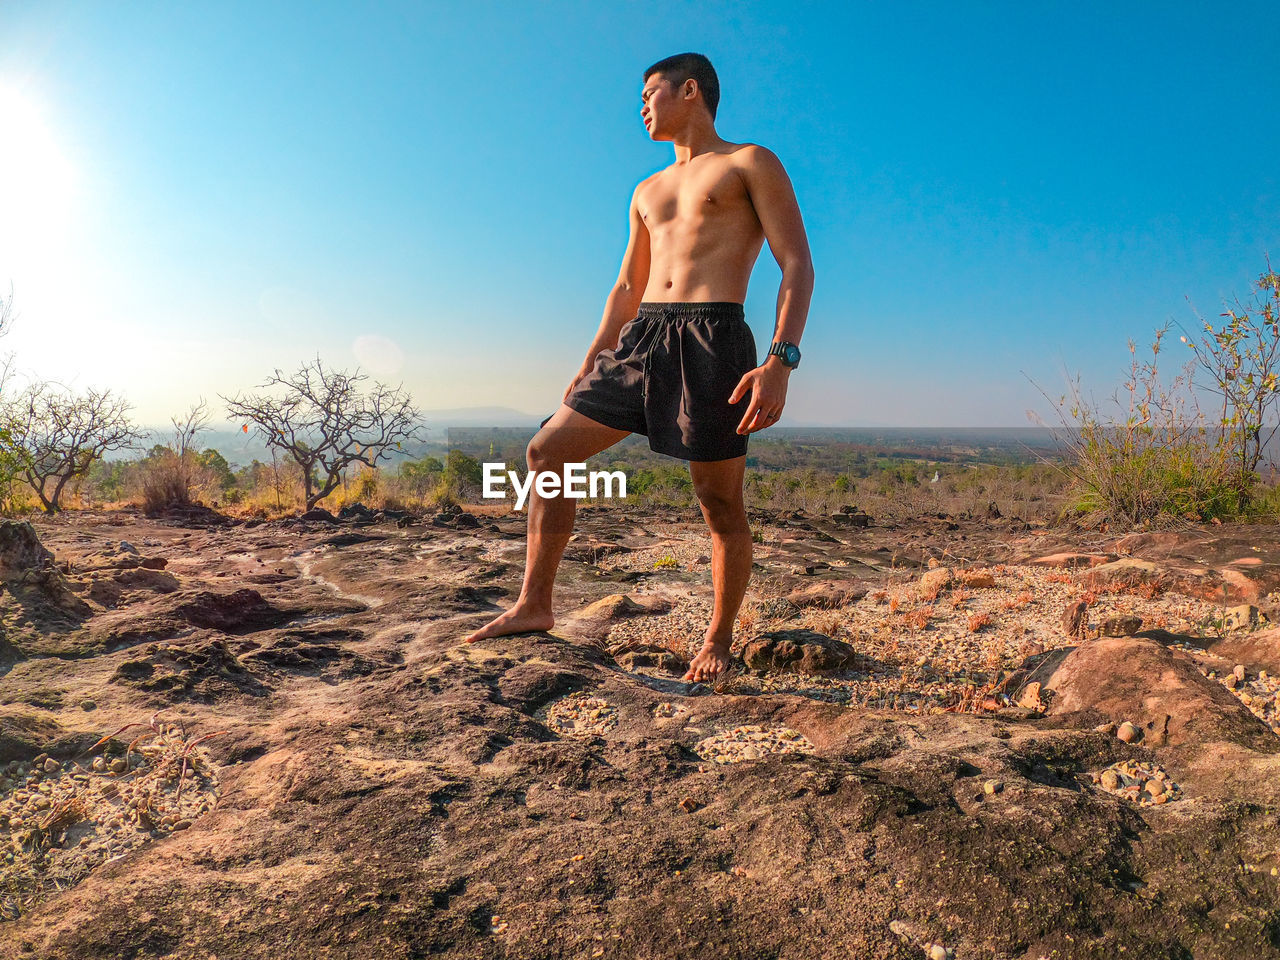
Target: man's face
662, 106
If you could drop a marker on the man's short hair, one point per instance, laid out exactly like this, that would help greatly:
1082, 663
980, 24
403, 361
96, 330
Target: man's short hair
683, 66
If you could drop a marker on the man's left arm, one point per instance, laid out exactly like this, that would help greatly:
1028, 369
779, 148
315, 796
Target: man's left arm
775, 204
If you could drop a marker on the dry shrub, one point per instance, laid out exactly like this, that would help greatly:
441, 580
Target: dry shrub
959, 598
171, 480
1059, 576
1145, 589
878, 596
895, 602
918, 618
978, 620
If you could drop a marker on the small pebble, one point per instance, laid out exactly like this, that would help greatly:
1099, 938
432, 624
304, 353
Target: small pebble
1128, 732
992, 786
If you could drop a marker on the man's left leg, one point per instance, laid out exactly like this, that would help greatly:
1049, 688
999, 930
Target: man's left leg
718, 484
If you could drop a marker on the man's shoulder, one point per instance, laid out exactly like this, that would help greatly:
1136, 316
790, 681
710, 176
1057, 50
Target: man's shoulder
754, 156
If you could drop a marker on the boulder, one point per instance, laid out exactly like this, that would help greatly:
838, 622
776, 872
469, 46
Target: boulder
1121, 625
1074, 619
20, 550
1127, 571
799, 651
28, 571
1159, 690
933, 582
1258, 650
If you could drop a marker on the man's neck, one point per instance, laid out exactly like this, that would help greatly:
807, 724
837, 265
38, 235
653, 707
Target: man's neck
695, 140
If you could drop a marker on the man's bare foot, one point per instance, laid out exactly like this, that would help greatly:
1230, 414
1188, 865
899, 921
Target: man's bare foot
711, 661
519, 619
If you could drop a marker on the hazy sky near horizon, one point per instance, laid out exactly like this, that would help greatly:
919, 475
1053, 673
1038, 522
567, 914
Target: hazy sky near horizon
194, 194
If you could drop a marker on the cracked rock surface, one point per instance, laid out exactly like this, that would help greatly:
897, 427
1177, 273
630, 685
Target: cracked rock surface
376, 788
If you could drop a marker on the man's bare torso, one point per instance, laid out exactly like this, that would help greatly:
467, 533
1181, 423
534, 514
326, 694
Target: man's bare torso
704, 235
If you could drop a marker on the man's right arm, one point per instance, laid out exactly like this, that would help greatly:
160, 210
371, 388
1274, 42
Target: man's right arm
625, 297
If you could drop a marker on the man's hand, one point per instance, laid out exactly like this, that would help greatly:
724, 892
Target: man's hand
768, 386
582, 372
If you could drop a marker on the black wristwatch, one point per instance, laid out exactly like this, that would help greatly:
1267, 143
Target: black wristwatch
787, 352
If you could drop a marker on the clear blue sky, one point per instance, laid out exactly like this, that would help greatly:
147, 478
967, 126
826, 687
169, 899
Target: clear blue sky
192, 194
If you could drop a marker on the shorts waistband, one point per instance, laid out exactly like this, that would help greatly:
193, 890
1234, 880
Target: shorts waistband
703, 310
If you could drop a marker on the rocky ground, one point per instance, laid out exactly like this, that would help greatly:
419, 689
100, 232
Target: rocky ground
949, 738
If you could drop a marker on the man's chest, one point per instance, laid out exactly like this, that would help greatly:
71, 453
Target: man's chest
714, 192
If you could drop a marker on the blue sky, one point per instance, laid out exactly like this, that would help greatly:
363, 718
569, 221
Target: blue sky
197, 193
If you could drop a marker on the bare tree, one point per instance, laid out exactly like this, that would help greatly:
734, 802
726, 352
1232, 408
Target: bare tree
185, 430
7, 313
55, 435
173, 469
326, 421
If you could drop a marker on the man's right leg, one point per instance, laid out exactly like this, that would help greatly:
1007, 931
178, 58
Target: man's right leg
568, 437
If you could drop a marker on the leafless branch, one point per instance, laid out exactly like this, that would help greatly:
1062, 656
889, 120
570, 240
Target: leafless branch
326, 420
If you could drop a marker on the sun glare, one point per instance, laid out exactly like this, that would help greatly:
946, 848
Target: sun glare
36, 180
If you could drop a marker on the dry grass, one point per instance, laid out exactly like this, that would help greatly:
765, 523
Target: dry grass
977, 621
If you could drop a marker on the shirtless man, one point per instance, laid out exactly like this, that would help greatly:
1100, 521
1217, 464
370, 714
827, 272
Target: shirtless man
672, 333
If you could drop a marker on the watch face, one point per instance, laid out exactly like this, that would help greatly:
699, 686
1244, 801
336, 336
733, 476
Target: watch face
792, 354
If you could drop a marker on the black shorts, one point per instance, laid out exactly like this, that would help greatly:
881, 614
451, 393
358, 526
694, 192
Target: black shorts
670, 378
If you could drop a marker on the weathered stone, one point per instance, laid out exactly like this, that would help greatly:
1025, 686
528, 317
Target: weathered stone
1074, 619
1126, 570
1128, 732
649, 655
1121, 626
613, 607
1242, 617
1157, 688
801, 651
933, 582
20, 550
